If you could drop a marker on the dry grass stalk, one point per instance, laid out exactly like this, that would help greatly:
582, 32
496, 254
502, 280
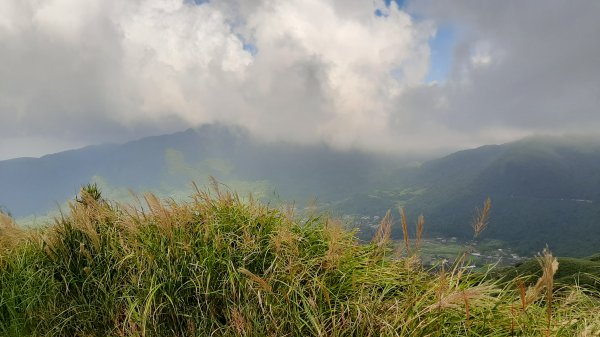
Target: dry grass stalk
154, 205
405, 230
549, 265
285, 239
382, 235
264, 285
467, 297
481, 218
226, 197
591, 330
238, 322
214, 185
290, 211
467, 312
334, 231
512, 319
6, 221
442, 287
8, 229
312, 207
420, 225
413, 262
85, 215
522, 294
11, 235
160, 212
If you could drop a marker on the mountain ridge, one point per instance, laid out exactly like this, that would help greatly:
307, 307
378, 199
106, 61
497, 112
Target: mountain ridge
37, 184
544, 192
542, 188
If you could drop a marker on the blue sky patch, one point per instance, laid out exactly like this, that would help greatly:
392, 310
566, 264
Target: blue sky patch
252, 49
400, 3
442, 54
197, 2
441, 45
379, 13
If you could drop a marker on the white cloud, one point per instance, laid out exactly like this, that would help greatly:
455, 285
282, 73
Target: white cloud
481, 55
88, 71
324, 70
354, 57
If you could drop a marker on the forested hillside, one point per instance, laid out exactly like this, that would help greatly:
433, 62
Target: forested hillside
544, 191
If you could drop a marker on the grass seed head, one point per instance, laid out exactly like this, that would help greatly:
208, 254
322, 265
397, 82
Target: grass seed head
382, 235
481, 218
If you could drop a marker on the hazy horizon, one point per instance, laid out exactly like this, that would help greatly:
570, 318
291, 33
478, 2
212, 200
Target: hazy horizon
391, 76
409, 156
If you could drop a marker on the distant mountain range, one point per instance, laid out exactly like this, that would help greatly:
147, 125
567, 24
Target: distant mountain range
544, 190
171, 162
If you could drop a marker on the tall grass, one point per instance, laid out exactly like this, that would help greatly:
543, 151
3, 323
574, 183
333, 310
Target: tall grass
220, 266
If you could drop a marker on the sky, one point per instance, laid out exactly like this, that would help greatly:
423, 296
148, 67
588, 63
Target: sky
400, 77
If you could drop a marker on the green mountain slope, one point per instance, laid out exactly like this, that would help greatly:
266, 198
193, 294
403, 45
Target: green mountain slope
581, 271
544, 191
171, 162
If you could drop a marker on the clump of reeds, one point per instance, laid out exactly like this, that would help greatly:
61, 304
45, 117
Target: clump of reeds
549, 265
221, 266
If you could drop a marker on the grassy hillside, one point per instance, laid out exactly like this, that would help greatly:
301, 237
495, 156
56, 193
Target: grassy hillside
220, 266
545, 191
584, 271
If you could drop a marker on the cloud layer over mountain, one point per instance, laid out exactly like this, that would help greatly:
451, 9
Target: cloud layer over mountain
351, 73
